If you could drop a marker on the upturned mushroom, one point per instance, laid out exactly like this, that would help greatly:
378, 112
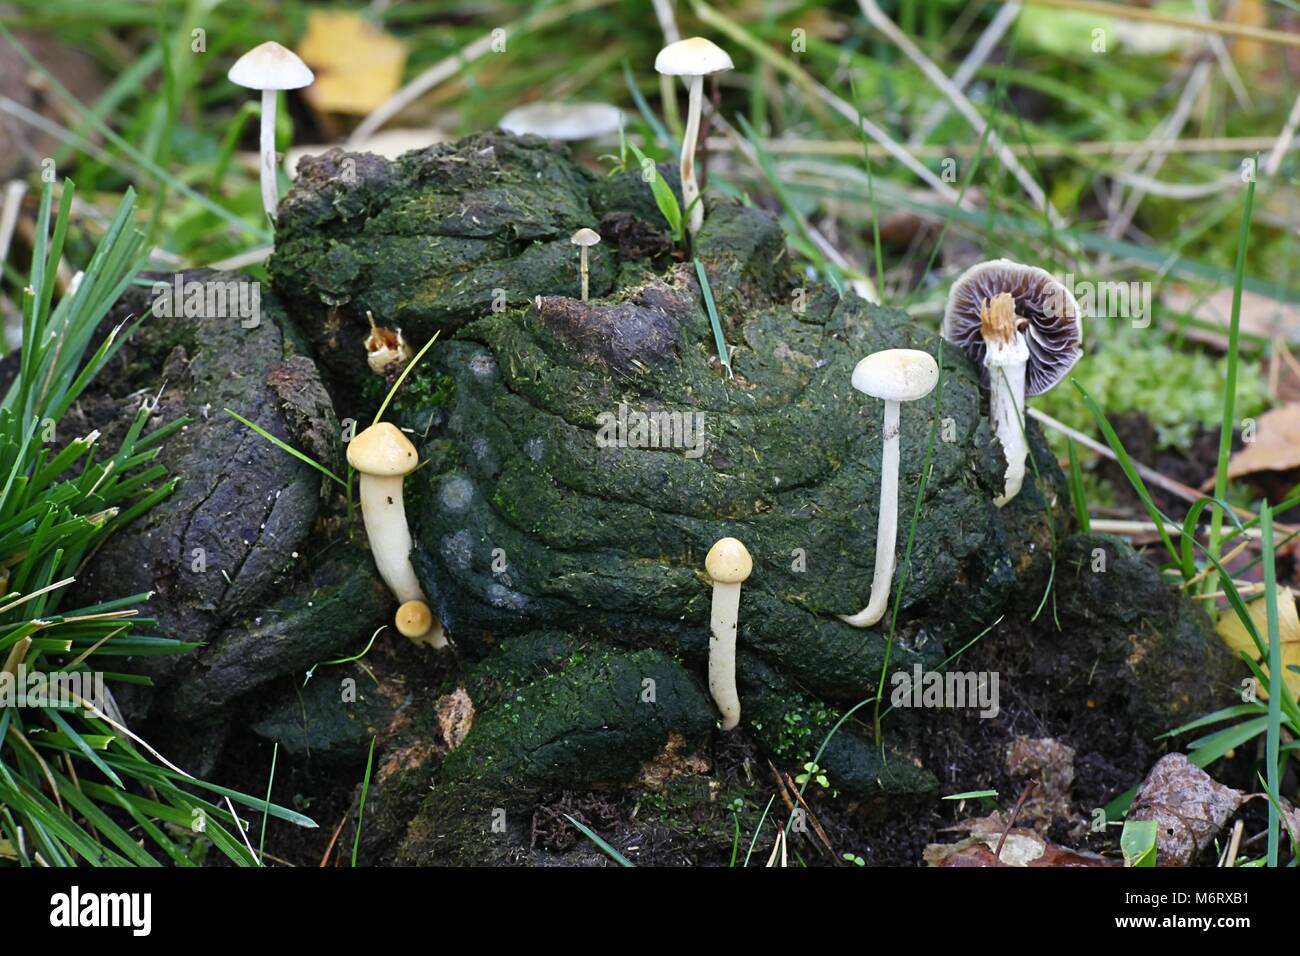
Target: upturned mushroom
894, 376
385, 347
1022, 329
270, 68
728, 564
384, 456
584, 239
693, 58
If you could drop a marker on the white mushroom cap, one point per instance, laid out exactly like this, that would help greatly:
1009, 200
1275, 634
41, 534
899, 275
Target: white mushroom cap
694, 56
585, 237
728, 562
896, 375
270, 66
382, 450
564, 121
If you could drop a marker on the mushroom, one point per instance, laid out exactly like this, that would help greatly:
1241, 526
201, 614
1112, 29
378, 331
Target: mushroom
584, 239
384, 456
384, 347
694, 57
563, 121
270, 68
415, 620
1022, 328
894, 376
728, 564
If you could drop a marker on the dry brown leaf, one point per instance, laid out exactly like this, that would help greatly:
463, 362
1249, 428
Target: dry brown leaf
1021, 847
1260, 314
357, 65
1188, 806
455, 716
1275, 446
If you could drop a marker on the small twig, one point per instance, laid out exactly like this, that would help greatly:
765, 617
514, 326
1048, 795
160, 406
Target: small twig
1011, 822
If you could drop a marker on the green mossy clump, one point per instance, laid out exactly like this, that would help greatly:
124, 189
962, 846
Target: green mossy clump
434, 239
528, 517
535, 511
595, 722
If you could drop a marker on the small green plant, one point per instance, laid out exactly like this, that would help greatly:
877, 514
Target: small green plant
854, 859
815, 773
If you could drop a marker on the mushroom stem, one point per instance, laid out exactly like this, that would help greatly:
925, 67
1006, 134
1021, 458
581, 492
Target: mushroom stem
270, 189
583, 255
690, 188
722, 652
384, 515
886, 525
1006, 357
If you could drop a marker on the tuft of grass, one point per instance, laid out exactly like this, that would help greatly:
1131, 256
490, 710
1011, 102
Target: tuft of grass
76, 784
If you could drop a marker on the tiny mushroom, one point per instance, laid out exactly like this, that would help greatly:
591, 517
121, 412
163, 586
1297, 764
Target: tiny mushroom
385, 347
415, 620
1022, 328
384, 456
894, 376
728, 564
563, 121
584, 239
270, 68
693, 58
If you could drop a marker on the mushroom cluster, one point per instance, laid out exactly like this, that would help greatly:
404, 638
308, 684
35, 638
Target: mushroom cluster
1022, 329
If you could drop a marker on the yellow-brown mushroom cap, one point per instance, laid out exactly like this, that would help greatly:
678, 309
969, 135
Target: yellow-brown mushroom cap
728, 562
414, 618
382, 450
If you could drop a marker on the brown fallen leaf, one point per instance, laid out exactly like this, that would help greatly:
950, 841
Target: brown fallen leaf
1260, 314
357, 65
455, 716
1275, 445
1020, 847
1188, 806
1050, 764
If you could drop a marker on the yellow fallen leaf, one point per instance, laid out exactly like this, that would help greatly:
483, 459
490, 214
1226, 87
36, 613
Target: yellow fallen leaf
358, 66
1236, 636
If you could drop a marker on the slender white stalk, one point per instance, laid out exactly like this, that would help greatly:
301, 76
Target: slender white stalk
583, 254
1006, 356
886, 525
690, 188
722, 652
1006, 364
384, 515
270, 190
